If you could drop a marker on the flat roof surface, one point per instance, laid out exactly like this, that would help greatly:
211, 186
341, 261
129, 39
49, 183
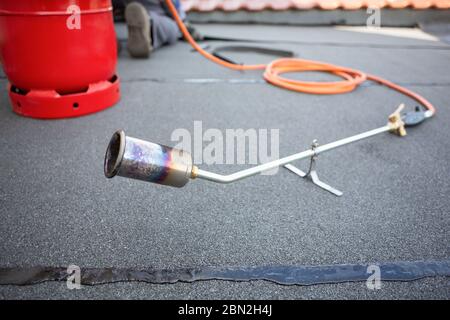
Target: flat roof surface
57, 208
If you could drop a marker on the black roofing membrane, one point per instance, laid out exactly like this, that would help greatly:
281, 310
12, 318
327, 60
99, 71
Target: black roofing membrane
284, 275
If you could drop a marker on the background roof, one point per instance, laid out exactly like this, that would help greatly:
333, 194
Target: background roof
258, 5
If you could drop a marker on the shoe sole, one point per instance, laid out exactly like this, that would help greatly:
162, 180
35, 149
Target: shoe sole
138, 22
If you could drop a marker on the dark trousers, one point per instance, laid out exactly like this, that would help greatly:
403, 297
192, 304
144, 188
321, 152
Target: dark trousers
164, 29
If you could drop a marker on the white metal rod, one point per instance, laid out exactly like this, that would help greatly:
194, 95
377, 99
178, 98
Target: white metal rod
342, 142
203, 174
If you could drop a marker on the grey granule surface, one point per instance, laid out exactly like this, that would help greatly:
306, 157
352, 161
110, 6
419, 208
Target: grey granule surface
57, 208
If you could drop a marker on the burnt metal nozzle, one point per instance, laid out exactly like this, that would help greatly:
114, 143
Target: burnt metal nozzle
138, 159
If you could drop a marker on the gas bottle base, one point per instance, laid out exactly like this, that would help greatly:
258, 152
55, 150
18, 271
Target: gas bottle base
49, 104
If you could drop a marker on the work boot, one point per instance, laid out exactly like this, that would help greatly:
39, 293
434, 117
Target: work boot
139, 38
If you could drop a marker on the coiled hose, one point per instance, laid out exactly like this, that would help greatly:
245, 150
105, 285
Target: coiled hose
273, 71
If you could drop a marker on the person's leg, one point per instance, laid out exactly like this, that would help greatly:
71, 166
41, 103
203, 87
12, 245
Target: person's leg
164, 30
139, 35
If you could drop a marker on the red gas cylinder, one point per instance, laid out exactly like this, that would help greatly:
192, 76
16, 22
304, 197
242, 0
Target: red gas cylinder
59, 56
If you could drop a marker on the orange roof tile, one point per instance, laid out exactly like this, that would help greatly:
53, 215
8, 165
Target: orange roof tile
279, 5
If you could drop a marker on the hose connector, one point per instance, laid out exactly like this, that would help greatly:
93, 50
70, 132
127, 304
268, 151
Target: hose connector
413, 118
396, 124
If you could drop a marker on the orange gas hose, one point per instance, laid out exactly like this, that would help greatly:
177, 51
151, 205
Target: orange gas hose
352, 78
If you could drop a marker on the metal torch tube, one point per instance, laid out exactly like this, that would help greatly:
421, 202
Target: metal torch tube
357, 137
143, 160
206, 175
